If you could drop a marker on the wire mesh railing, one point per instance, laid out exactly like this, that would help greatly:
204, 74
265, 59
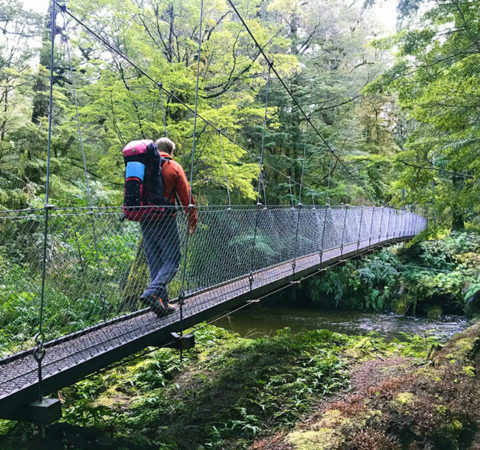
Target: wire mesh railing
96, 267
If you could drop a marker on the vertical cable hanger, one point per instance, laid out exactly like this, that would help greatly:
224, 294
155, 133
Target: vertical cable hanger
260, 179
264, 189
39, 350
434, 213
87, 178
381, 220
327, 207
191, 206
345, 207
388, 222
162, 107
289, 179
262, 149
225, 171
229, 207
361, 220
299, 207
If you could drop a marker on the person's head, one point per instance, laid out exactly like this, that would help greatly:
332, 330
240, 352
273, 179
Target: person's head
165, 145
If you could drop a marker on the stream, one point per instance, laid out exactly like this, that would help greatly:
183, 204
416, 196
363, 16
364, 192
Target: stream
259, 320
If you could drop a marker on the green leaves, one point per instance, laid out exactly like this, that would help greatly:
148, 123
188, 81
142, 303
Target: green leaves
436, 76
257, 386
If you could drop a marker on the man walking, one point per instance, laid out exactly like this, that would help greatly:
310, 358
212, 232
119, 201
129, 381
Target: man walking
161, 240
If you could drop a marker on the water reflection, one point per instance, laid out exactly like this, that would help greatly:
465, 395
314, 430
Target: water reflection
259, 320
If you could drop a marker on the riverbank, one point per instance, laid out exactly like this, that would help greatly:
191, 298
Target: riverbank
399, 403
228, 392
424, 278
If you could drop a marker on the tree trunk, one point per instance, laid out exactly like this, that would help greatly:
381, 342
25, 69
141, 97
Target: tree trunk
40, 101
458, 220
137, 279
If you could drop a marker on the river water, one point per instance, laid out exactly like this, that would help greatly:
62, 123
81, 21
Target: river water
260, 320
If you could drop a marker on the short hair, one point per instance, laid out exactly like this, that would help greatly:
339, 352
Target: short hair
165, 145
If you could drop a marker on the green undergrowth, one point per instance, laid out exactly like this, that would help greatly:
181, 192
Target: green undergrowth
226, 392
429, 406
427, 278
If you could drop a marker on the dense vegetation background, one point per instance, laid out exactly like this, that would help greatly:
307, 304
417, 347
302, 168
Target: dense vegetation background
393, 107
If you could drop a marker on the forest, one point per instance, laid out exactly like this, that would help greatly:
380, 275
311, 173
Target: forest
284, 103
399, 109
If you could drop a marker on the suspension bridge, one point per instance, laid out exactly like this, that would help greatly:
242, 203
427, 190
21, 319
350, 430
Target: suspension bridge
75, 275
237, 255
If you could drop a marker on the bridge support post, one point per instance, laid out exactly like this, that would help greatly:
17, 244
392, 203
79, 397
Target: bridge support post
182, 341
322, 244
371, 227
360, 228
343, 230
388, 224
380, 228
40, 412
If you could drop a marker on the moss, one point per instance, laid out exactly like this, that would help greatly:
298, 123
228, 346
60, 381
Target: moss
441, 409
463, 347
322, 439
331, 418
404, 398
434, 312
362, 348
469, 370
455, 425
428, 372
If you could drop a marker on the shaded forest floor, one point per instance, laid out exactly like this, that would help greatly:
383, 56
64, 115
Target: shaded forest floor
308, 390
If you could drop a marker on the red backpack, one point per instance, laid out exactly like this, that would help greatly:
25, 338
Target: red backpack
143, 192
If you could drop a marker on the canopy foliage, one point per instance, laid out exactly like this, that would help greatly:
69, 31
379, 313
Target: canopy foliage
407, 130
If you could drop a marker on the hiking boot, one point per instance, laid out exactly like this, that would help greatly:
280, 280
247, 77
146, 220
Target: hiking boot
157, 305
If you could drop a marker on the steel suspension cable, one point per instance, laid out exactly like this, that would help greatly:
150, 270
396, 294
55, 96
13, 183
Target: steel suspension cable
39, 350
438, 169
87, 178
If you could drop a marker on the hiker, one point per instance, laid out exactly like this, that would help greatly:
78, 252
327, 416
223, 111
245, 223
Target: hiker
161, 240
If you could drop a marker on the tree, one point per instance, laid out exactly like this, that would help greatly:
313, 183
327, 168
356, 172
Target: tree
436, 78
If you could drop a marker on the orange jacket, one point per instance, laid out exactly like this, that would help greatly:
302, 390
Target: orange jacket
175, 179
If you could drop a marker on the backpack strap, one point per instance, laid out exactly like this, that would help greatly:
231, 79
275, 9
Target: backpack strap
163, 160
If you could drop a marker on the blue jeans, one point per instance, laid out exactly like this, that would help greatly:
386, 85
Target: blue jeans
161, 242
